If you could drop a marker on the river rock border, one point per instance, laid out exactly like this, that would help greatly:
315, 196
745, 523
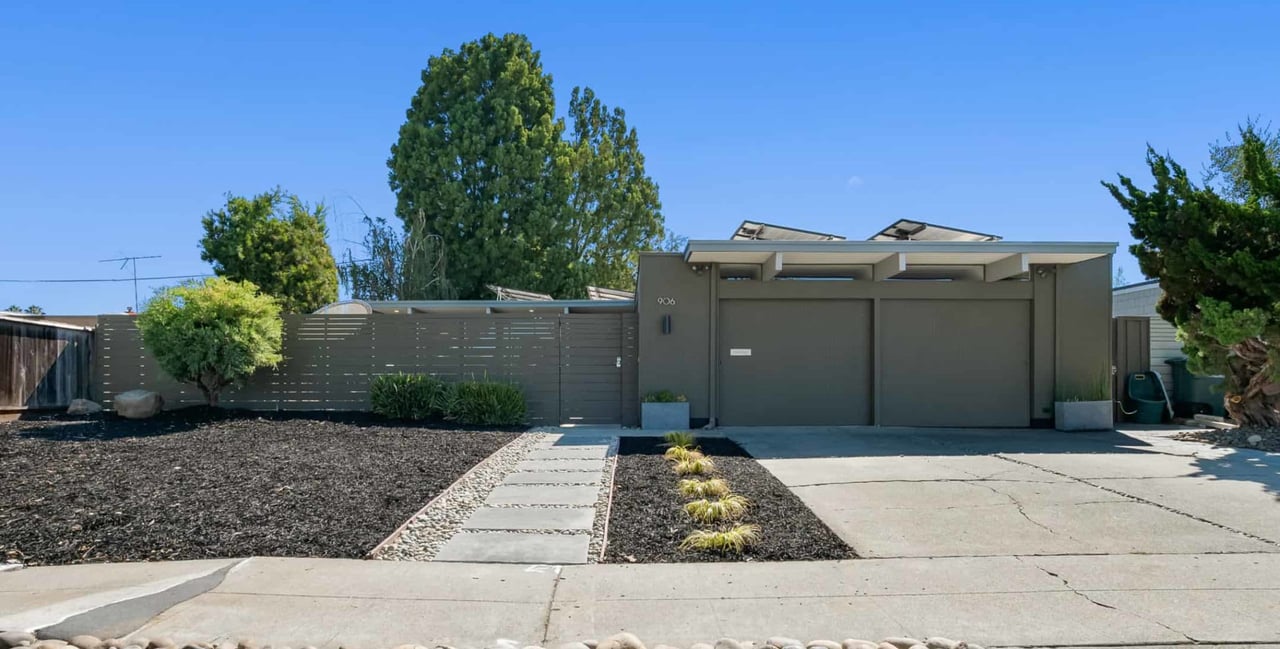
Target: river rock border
19, 639
422, 536
600, 527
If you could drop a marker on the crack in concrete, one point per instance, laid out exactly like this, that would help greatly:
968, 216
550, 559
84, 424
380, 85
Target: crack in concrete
1095, 602
1144, 501
551, 605
1018, 505
923, 480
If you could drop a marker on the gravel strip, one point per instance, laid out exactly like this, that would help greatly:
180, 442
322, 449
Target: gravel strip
202, 484
428, 531
648, 522
600, 528
1258, 439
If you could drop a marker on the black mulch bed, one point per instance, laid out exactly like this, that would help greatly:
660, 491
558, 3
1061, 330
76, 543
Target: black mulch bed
196, 484
647, 521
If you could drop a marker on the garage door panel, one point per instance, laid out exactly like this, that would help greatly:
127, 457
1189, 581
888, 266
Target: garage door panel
955, 362
809, 364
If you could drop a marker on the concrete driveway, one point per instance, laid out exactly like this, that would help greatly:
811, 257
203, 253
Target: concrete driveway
969, 493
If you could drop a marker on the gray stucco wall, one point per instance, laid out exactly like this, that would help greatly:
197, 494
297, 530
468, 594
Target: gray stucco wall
678, 361
1083, 324
1068, 308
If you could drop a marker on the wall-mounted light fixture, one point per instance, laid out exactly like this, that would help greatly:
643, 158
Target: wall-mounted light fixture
666, 324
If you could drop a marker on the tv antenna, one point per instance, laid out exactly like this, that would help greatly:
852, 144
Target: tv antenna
134, 261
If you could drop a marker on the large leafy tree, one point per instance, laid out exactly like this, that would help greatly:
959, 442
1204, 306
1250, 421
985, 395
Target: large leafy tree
613, 211
277, 242
212, 334
483, 158
474, 156
1218, 261
1225, 171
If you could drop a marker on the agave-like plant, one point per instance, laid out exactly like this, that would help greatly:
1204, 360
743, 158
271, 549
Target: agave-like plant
680, 439
681, 453
712, 488
726, 508
735, 539
695, 466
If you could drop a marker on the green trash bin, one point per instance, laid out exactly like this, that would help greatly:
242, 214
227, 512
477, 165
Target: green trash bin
1146, 395
1194, 394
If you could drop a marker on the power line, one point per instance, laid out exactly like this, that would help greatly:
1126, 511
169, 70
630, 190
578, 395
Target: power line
122, 279
134, 261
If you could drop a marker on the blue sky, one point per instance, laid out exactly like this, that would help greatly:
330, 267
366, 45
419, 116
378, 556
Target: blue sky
121, 127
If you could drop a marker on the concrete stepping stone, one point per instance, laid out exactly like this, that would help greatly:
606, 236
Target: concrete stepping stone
560, 465
577, 495
531, 518
554, 477
507, 547
570, 453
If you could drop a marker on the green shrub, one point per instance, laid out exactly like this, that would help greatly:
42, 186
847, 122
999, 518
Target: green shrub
679, 439
486, 403
731, 541
212, 334
410, 396
664, 396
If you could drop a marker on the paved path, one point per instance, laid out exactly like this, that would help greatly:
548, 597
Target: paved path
544, 512
1064, 601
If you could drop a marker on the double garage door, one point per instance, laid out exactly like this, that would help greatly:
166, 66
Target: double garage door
814, 362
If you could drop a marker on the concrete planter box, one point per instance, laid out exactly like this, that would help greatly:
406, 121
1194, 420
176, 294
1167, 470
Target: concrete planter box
1083, 415
664, 416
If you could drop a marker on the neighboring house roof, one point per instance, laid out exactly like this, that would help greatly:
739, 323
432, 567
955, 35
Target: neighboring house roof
40, 322
1136, 286
511, 294
758, 231
912, 230
602, 294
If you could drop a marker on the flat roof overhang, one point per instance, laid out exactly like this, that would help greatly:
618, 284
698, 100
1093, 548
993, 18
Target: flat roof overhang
465, 307
981, 260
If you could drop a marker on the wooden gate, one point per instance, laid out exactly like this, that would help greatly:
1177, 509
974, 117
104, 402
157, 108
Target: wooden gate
597, 368
43, 364
1130, 352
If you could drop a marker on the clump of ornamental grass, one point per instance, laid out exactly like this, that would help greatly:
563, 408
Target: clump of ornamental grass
682, 453
726, 508
733, 540
712, 488
695, 466
679, 439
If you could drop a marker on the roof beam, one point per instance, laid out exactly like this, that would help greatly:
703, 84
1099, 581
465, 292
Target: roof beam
771, 267
1008, 267
890, 266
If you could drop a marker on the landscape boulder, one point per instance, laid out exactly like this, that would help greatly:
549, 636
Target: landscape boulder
83, 407
138, 404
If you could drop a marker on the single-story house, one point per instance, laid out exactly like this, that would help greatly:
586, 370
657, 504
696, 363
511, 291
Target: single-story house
894, 331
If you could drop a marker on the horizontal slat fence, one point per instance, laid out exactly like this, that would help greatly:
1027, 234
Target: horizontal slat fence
330, 360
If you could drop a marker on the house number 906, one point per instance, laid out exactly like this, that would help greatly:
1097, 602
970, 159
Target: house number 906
666, 301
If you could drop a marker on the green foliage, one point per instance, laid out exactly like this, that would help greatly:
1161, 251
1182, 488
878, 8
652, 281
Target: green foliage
1218, 261
679, 438
733, 540
213, 333
395, 267
1097, 388
1226, 171
277, 242
664, 396
482, 154
730, 507
712, 488
410, 396
487, 403
695, 466
682, 453
31, 310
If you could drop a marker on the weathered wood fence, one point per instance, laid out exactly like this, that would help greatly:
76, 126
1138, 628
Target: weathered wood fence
43, 364
573, 368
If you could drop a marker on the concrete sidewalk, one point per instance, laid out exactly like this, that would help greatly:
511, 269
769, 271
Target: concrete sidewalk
996, 601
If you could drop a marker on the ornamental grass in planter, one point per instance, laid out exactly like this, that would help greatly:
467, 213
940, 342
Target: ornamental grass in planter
664, 409
1085, 407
